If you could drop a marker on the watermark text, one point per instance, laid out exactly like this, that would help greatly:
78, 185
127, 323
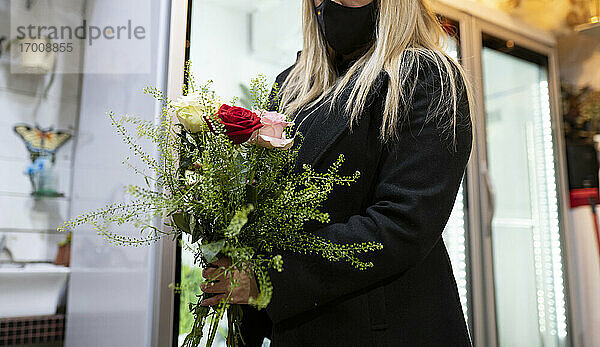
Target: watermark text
82, 32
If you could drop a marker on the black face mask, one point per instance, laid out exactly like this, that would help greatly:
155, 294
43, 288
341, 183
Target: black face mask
347, 29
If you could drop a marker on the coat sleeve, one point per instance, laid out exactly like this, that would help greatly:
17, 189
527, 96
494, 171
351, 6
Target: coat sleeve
418, 180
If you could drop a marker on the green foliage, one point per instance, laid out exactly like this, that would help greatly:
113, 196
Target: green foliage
191, 280
241, 201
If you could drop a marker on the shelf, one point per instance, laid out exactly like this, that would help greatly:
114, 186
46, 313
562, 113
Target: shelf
30, 231
29, 195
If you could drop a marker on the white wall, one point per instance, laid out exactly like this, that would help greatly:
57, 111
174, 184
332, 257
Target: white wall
587, 263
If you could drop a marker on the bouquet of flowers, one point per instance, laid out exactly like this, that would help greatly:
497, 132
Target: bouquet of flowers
227, 181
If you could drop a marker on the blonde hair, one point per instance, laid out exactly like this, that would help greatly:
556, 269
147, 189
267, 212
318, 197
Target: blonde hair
407, 32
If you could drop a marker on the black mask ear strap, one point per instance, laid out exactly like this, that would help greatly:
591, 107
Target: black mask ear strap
319, 13
321, 22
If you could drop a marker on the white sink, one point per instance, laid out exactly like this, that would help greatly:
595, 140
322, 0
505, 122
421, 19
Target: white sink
32, 290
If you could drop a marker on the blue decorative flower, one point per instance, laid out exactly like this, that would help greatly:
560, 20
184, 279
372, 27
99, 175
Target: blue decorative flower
39, 165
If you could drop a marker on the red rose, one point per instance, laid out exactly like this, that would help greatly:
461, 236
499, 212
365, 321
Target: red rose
239, 123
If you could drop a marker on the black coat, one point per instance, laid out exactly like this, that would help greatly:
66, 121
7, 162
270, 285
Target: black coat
402, 200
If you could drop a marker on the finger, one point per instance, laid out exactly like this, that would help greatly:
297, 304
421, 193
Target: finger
210, 273
213, 273
215, 300
237, 298
208, 288
218, 287
222, 262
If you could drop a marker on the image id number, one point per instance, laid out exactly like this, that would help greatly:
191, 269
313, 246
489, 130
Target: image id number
47, 47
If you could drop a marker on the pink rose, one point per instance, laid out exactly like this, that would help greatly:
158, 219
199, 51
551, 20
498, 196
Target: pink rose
272, 134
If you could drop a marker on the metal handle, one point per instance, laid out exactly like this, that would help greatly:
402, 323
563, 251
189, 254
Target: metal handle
489, 195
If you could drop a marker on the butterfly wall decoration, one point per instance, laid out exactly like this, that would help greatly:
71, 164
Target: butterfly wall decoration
42, 145
42, 142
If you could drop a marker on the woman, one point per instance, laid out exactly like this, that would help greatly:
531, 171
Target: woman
372, 83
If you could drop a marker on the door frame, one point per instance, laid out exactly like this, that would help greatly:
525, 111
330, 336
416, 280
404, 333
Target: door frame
163, 315
546, 47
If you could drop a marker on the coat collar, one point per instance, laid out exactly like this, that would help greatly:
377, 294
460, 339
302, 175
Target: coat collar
325, 131
330, 125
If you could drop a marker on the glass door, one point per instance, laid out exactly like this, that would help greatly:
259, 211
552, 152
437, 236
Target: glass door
526, 229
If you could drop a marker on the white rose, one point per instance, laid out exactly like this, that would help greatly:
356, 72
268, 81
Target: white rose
191, 112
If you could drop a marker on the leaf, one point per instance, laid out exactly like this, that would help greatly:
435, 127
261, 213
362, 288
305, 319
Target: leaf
197, 233
238, 221
182, 221
190, 139
211, 250
192, 222
180, 126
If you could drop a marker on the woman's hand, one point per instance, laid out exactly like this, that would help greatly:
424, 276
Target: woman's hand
244, 289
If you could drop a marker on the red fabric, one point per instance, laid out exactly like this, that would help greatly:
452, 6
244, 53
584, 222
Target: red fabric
581, 197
